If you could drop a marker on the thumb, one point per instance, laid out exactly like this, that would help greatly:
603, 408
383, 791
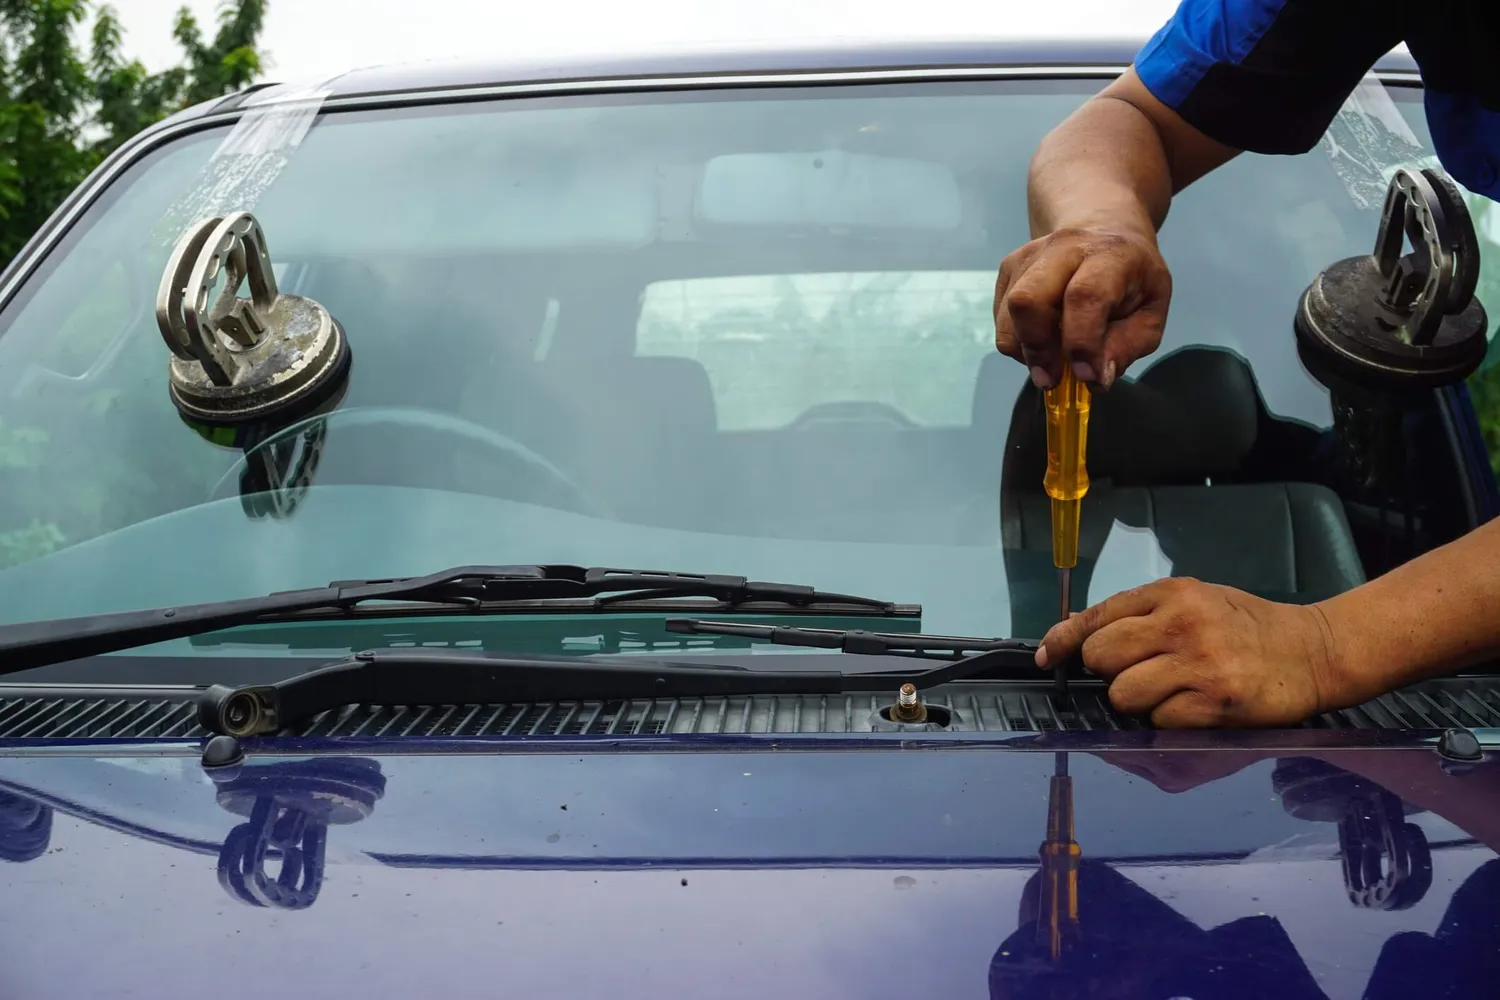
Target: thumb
1062, 640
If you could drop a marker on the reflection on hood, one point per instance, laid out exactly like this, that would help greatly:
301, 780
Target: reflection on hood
25, 828
289, 807
1133, 945
1149, 951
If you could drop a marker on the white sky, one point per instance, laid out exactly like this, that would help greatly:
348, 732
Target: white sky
316, 38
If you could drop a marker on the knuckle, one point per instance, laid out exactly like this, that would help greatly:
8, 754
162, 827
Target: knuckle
1024, 302
1196, 710
1215, 686
1184, 712
1125, 700
1175, 586
1083, 293
1089, 620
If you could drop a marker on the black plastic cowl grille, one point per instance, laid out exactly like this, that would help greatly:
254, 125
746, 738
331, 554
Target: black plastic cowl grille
170, 713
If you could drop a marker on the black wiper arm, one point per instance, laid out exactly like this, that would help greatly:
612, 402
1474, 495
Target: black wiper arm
35, 644
465, 678
459, 677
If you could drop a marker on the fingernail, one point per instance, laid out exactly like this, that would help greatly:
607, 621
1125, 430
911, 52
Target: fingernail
1041, 656
1084, 371
1040, 378
1109, 373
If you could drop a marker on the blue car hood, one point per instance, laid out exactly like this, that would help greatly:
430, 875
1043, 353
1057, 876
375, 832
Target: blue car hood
753, 869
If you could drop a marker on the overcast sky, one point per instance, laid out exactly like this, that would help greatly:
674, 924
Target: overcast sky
315, 38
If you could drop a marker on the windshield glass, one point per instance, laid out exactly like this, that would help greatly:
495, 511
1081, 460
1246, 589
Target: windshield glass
744, 331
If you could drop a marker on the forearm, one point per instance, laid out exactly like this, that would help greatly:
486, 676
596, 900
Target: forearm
1105, 166
1434, 615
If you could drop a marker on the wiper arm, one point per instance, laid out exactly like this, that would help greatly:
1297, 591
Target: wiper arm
463, 677
472, 588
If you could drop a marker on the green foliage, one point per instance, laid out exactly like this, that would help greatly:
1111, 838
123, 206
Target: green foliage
63, 110
22, 450
231, 61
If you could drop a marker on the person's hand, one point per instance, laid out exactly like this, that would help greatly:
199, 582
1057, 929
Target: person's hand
1193, 654
1094, 297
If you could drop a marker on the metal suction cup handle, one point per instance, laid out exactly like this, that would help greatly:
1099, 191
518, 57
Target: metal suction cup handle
237, 359
203, 323
1437, 278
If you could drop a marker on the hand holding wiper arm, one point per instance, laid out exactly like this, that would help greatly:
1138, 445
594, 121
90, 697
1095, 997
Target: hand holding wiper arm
474, 588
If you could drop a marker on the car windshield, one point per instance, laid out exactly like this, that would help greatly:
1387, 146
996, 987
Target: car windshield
743, 331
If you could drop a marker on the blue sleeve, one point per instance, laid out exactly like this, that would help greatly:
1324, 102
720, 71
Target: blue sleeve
1266, 75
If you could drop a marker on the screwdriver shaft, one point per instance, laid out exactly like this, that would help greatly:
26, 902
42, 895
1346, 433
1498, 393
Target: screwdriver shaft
1065, 602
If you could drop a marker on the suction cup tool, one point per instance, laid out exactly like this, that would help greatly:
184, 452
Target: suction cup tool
233, 359
1392, 324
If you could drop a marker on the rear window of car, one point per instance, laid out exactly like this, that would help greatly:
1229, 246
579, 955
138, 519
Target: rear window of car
775, 346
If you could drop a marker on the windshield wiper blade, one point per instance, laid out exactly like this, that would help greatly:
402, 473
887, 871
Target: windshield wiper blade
857, 641
474, 588
967, 656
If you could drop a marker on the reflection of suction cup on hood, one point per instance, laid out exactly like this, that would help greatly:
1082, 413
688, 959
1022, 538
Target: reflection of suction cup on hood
1387, 861
25, 828
288, 809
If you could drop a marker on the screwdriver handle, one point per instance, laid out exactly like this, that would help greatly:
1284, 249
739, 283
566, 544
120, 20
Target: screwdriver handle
1067, 478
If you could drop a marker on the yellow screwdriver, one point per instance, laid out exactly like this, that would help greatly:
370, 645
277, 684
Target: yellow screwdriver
1066, 483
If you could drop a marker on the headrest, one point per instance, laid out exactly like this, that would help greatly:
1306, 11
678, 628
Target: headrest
1193, 413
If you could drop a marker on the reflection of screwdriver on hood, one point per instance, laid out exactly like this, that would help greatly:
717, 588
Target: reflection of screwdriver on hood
1066, 482
1057, 923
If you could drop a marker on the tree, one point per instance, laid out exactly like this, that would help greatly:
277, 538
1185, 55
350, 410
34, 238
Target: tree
61, 112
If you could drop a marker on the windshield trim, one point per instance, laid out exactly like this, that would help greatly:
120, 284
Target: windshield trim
57, 227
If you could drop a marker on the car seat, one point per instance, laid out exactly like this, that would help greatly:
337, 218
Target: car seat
1156, 443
